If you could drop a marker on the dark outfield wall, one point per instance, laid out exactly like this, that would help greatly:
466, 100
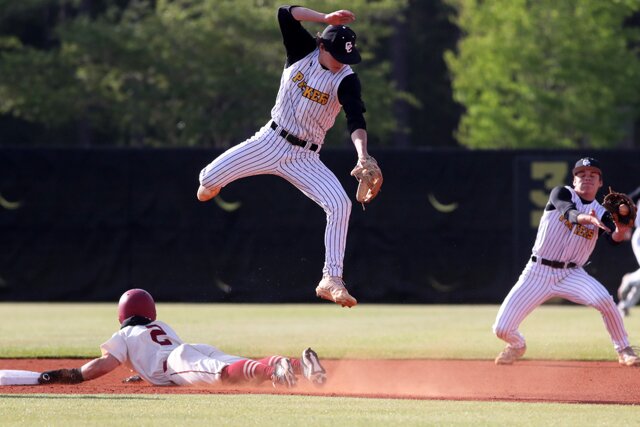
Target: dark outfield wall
448, 227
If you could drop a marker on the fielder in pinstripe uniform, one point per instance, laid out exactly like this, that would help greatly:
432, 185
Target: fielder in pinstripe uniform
316, 84
569, 229
629, 290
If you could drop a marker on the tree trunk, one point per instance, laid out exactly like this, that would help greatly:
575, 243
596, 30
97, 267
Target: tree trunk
399, 71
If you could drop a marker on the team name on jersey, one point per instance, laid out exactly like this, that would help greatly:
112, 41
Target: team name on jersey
308, 92
578, 229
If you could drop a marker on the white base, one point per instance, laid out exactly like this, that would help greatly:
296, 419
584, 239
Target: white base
16, 377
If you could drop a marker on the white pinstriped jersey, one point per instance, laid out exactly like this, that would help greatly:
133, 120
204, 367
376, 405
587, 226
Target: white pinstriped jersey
145, 349
560, 240
307, 102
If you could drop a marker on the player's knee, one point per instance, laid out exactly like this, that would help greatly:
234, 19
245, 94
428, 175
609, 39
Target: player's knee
339, 207
605, 304
625, 280
345, 203
344, 209
501, 331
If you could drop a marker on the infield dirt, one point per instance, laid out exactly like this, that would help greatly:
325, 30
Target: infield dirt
527, 380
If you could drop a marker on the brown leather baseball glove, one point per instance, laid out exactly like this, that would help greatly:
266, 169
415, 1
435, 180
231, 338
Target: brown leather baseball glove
369, 176
621, 207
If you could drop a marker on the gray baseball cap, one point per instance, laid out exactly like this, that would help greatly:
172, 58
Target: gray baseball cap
340, 42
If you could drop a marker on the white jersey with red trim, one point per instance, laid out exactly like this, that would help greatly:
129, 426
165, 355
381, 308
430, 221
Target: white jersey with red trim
307, 103
144, 349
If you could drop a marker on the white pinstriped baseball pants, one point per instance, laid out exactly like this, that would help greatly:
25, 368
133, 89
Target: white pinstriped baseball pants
630, 286
268, 153
539, 283
197, 364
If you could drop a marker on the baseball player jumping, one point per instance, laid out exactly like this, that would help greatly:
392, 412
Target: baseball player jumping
153, 350
569, 229
629, 290
316, 83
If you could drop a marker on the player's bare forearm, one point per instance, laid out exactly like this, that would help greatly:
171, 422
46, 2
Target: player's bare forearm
359, 138
592, 218
339, 17
98, 367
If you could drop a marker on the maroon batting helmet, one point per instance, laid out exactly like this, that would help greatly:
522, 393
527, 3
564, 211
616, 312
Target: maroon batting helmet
136, 302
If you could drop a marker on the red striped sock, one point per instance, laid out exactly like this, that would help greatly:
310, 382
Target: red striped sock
247, 371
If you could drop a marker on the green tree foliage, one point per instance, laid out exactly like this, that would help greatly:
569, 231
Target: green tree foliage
546, 73
172, 72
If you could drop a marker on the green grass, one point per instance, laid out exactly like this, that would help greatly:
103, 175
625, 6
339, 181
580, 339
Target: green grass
367, 331
280, 410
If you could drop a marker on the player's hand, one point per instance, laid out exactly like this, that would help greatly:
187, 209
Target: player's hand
622, 232
61, 376
132, 379
593, 218
339, 17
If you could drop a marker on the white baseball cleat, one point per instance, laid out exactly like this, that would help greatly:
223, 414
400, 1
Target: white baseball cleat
332, 288
628, 357
510, 355
312, 369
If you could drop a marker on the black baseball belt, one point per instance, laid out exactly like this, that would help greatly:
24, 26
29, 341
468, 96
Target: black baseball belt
554, 264
292, 139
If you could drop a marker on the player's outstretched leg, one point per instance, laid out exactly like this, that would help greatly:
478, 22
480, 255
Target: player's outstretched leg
628, 292
332, 289
311, 367
624, 288
247, 371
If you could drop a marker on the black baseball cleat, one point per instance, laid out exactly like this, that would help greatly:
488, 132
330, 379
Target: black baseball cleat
312, 369
283, 374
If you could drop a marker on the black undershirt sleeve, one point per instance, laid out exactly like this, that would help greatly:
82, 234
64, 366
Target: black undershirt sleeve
349, 96
297, 41
560, 199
